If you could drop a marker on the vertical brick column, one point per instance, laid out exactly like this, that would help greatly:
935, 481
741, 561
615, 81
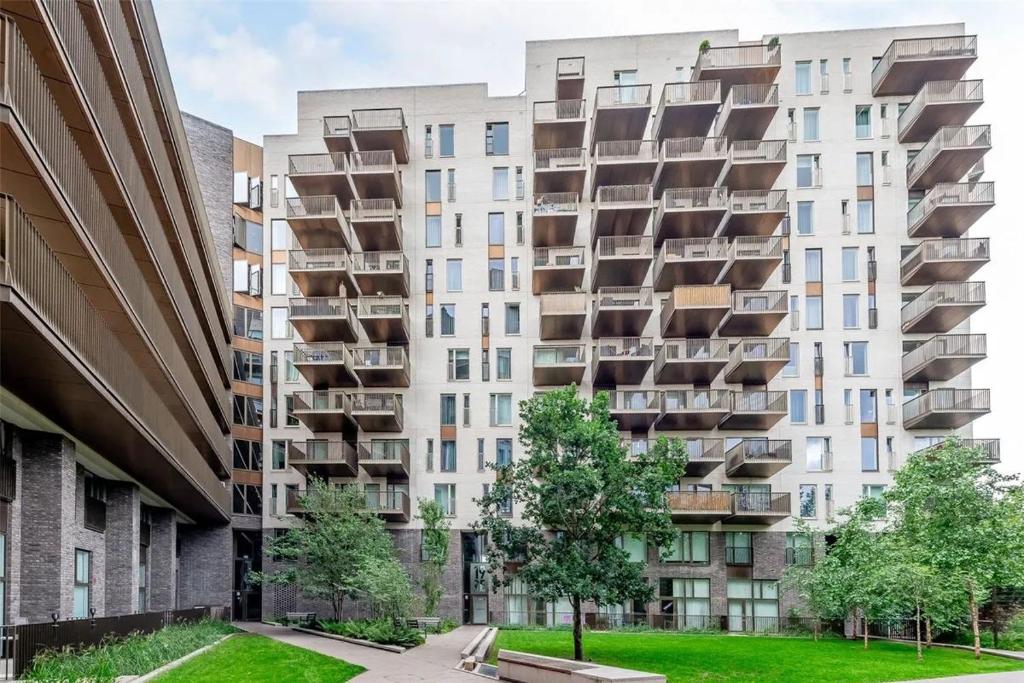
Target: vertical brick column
205, 567
122, 549
163, 561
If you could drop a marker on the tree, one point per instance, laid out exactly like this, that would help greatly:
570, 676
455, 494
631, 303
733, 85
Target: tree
578, 494
341, 550
963, 520
436, 531
812, 584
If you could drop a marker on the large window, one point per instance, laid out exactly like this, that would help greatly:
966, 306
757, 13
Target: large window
449, 459
511, 319
868, 406
448, 411
798, 406
856, 353
82, 597
278, 453
447, 139
808, 500
811, 128
851, 311
458, 364
792, 367
453, 275
812, 265
247, 455
501, 410
868, 454
248, 323
504, 364
433, 231
447, 320
799, 548
503, 452
496, 274
862, 120
685, 603
817, 451
865, 169
248, 411
803, 78
865, 216
496, 139
689, 546
432, 185
280, 234
280, 327
739, 547
815, 317
753, 605
851, 264
444, 495
806, 170
496, 229
248, 367
499, 183
805, 218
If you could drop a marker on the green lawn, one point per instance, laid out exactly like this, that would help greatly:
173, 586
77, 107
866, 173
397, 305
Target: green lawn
256, 659
721, 658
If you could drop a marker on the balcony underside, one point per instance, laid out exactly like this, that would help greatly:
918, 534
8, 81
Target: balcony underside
609, 371
383, 138
750, 272
620, 271
558, 278
560, 134
753, 175
765, 518
943, 368
377, 421
385, 328
699, 516
632, 172
948, 270
752, 420
394, 283
379, 467
378, 185
949, 165
755, 467
688, 173
324, 282
935, 116
688, 223
562, 374
341, 143
949, 220
393, 516
561, 325
323, 420
754, 371
941, 318
327, 374
625, 219
689, 371
622, 122
747, 122
755, 324
633, 420
323, 328
560, 179
686, 120
693, 321
906, 76
324, 469
752, 223
703, 271
321, 232
554, 229
943, 419
702, 467
378, 235
739, 75
629, 322
673, 420
383, 375
314, 184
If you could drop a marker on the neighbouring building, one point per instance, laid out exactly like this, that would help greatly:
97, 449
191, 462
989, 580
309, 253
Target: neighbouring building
115, 326
761, 248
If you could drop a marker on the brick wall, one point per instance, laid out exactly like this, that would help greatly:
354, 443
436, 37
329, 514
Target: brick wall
204, 566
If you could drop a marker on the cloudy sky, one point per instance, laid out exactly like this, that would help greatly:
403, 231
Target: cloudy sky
241, 63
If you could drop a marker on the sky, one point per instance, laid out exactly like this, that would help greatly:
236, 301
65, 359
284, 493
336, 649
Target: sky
240, 64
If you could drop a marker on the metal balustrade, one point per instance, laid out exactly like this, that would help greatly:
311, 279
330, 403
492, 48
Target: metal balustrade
559, 158
559, 110
915, 49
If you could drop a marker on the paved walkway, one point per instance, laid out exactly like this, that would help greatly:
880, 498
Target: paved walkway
435, 660
1006, 677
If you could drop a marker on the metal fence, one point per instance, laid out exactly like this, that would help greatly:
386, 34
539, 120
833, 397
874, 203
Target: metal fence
606, 621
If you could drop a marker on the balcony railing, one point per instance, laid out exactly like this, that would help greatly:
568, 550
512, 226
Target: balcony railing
943, 293
380, 357
946, 400
559, 110
989, 448
317, 164
384, 262
695, 92
940, 92
333, 400
945, 250
385, 452
316, 206
692, 249
756, 401
555, 203
751, 94
948, 137
694, 400
389, 502
383, 307
700, 501
949, 194
746, 201
558, 354
562, 303
623, 95
626, 150
337, 125
758, 349
944, 346
735, 56
373, 210
753, 151
758, 301
319, 259
694, 149
692, 350
322, 352
757, 247
633, 400
694, 198
759, 502
547, 257
374, 402
625, 245
315, 451
375, 161
568, 158
760, 451
613, 348
623, 297
610, 195
320, 307
916, 49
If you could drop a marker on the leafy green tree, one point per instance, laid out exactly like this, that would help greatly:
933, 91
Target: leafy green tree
578, 493
340, 550
436, 532
812, 584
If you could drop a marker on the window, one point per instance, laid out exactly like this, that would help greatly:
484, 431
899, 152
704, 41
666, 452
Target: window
280, 234
248, 455
807, 167
447, 132
249, 236
280, 327
465, 410
499, 183
275, 190
818, 450
453, 275
428, 322
513, 262
872, 490
278, 454
246, 499
803, 78
811, 118
289, 412
433, 231
247, 411
634, 545
687, 602
503, 452
823, 75
248, 323
750, 603
511, 319
815, 318
444, 495
850, 264
690, 546
738, 547
481, 464
862, 120
520, 230
458, 364
798, 406
430, 455
496, 139
856, 353
496, 274
447, 410
248, 367
812, 265
520, 183
447, 320
428, 141
847, 75
83, 584
504, 364
501, 410
792, 367
799, 549
804, 218
496, 229
451, 198
448, 456
794, 311
429, 275
432, 185
868, 406
485, 365
851, 311
868, 454
865, 169
279, 278
808, 500
865, 216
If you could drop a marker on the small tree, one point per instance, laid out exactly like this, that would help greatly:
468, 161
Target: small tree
436, 532
705, 45
340, 550
812, 584
578, 494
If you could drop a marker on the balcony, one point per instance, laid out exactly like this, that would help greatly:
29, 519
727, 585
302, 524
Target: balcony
377, 412
754, 313
939, 104
686, 109
690, 213
559, 123
323, 411
559, 170
755, 212
949, 156
950, 209
385, 318
690, 361
621, 311
621, 261
385, 458
391, 505
758, 457
322, 272
943, 357
755, 361
323, 318
377, 224
623, 162
748, 111
562, 315
755, 409
620, 113
945, 408
558, 269
338, 134
621, 210
694, 310
756, 507
988, 449
554, 218
634, 410
734, 64
752, 260
699, 507
909, 63
559, 365
683, 409
621, 360
696, 261
318, 222
754, 164
942, 307
382, 366
293, 502
569, 77
323, 459
320, 175
325, 365
375, 175
381, 129
944, 260
381, 272
690, 162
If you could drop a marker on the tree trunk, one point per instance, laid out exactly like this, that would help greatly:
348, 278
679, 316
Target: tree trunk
928, 631
974, 624
917, 628
816, 629
865, 622
577, 630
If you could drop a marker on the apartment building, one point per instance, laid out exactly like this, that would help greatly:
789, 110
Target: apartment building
759, 247
115, 327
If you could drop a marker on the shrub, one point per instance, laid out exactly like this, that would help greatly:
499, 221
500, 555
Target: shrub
383, 631
444, 626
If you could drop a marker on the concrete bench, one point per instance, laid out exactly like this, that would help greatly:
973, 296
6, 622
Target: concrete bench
522, 667
423, 623
301, 617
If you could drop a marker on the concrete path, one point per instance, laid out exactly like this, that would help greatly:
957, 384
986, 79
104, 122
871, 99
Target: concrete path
1006, 677
435, 660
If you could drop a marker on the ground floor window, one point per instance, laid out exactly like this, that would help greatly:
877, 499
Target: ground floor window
685, 603
753, 605
689, 546
143, 575
83, 574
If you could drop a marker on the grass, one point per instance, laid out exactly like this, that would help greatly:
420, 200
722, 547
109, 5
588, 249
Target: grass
736, 659
256, 659
134, 655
